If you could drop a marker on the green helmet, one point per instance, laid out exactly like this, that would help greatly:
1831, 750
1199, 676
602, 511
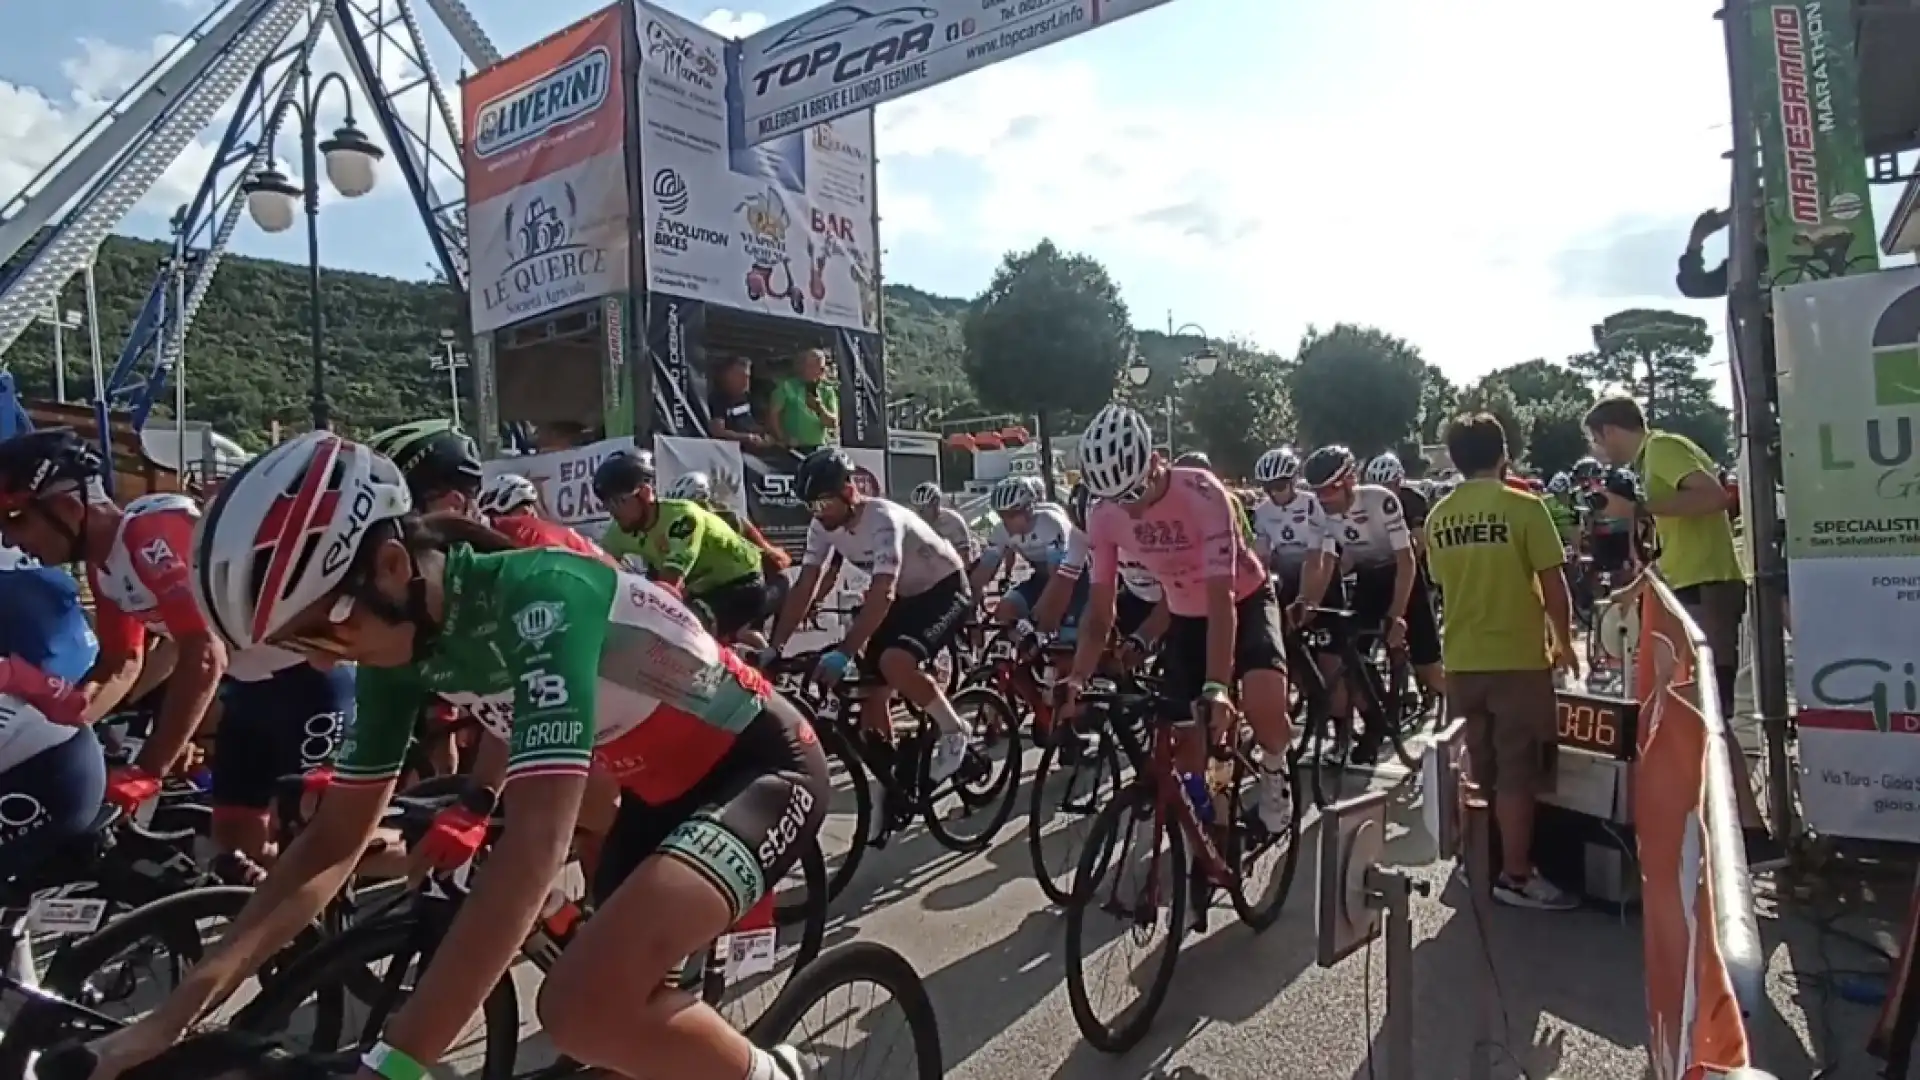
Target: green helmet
433, 455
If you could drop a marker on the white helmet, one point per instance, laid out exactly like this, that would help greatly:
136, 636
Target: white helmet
283, 532
1560, 484
506, 493
1278, 464
693, 486
927, 494
1013, 493
1385, 469
1116, 453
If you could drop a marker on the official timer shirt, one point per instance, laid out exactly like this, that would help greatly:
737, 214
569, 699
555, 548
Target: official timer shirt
1486, 546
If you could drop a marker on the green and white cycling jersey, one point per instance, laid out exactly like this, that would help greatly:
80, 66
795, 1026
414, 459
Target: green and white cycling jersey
567, 660
690, 542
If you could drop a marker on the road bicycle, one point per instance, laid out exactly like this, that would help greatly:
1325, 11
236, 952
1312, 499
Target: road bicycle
1380, 688
1205, 855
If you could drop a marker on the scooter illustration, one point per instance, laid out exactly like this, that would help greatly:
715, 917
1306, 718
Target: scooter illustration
760, 285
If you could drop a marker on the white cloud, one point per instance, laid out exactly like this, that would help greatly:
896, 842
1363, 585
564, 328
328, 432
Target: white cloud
734, 24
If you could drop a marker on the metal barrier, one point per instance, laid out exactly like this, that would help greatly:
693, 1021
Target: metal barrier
1696, 1007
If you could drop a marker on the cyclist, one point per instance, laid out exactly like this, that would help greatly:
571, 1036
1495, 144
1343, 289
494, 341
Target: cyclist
1040, 534
1385, 584
915, 599
45, 624
441, 464
1140, 615
1225, 624
1386, 471
1197, 459
724, 780
511, 504
53, 507
687, 547
1300, 552
1566, 521
932, 507
774, 561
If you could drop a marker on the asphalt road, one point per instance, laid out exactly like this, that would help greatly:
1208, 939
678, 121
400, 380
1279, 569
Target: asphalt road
1257, 1007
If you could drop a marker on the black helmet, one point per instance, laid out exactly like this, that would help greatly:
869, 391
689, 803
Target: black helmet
433, 455
1327, 465
43, 462
1193, 459
824, 472
1625, 483
622, 473
1079, 501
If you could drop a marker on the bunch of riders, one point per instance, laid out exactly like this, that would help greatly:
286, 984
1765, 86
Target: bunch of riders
344, 606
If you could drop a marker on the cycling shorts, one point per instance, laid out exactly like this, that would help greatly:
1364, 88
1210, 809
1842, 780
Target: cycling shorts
280, 726
744, 826
48, 801
1257, 645
1371, 597
922, 625
738, 605
1130, 612
1323, 634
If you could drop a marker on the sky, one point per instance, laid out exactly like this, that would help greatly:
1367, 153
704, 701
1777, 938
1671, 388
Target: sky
1486, 187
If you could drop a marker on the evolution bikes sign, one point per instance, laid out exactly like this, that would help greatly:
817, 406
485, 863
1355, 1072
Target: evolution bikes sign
843, 57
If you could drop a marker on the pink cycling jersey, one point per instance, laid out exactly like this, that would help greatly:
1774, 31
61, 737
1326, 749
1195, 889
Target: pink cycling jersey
1191, 536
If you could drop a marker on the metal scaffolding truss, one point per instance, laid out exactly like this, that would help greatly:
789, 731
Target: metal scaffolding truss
243, 60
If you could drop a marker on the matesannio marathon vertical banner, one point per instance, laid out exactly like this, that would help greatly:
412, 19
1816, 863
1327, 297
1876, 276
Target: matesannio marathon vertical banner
546, 169
1819, 219
783, 228
1849, 354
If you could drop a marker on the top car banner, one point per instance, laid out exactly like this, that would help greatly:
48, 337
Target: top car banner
843, 57
545, 157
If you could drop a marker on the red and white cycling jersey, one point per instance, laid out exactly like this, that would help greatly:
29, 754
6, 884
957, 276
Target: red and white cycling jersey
142, 585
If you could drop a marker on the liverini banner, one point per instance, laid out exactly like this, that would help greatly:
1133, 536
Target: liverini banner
546, 175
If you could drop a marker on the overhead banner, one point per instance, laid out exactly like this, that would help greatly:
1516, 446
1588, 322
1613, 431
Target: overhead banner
546, 175
565, 481
837, 59
863, 389
1819, 219
1849, 362
785, 228
676, 346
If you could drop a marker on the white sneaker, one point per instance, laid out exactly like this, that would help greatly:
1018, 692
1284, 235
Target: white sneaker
949, 752
793, 1064
1276, 801
1536, 892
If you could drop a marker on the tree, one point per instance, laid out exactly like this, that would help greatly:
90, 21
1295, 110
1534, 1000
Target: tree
1556, 433
1537, 382
1049, 335
1438, 398
1357, 385
1239, 412
1646, 353
1492, 395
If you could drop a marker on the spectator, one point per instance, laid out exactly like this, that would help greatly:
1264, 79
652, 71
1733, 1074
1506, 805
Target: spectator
1494, 550
804, 412
729, 403
1692, 277
1697, 557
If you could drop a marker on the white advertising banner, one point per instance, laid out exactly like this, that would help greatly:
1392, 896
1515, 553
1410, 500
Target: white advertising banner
565, 480
546, 175
1858, 694
674, 457
784, 228
836, 59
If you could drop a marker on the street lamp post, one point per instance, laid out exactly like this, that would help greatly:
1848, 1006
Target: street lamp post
1205, 361
451, 361
62, 320
271, 195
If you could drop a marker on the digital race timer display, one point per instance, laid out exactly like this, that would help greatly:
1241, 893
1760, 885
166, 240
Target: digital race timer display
1602, 725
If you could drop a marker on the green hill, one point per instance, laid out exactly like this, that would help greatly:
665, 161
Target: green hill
247, 350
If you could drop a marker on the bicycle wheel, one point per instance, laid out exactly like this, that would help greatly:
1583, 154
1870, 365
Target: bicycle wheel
341, 968
1248, 842
95, 971
1107, 846
971, 792
1406, 714
842, 969
1075, 796
844, 836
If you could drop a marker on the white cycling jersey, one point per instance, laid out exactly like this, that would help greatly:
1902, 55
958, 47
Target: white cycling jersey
1044, 546
953, 529
1290, 532
1372, 532
1133, 574
25, 731
887, 538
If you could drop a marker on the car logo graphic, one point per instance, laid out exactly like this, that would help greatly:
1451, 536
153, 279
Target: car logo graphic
836, 21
